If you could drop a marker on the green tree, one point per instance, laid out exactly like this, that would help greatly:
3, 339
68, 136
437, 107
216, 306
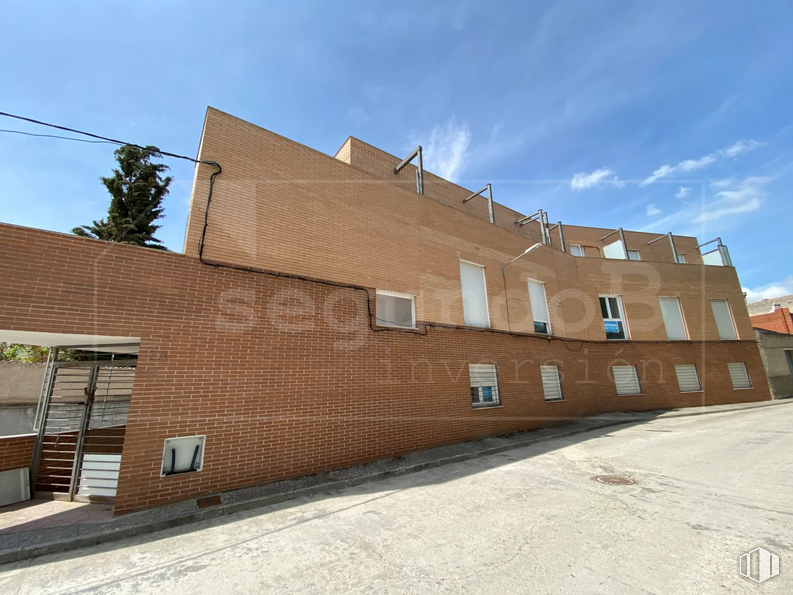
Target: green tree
137, 189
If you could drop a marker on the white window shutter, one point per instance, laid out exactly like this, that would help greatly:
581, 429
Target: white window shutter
673, 319
687, 378
724, 321
626, 380
739, 375
551, 384
472, 278
539, 303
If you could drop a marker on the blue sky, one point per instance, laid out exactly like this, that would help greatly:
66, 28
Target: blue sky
663, 116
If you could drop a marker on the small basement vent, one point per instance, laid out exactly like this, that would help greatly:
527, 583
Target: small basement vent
626, 380
739, 375
551, 385
183, 455
687, 378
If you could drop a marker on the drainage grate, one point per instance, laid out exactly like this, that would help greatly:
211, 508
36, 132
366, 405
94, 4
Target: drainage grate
615, 480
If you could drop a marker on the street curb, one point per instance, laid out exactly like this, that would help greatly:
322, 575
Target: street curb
61, 546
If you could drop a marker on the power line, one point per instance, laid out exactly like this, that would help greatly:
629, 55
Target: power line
101, 138
79, 140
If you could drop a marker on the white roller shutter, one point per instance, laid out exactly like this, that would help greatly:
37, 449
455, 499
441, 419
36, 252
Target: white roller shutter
484, 384
687, 378
739, 375
626, 380
551, 385
673, 318
539, 306
472, 279
724, 321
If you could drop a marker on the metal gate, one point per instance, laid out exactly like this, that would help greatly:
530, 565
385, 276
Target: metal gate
81, 422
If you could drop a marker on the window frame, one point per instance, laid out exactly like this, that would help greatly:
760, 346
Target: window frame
396, 294
579, 246
748, 376
682, 316
547, 323
638, 253
638, 380
696, 373
484, 283
623, 319
682, 255
732, 319
558, 382
482, 404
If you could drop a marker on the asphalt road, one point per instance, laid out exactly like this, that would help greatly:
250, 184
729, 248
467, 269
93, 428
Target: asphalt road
532, 520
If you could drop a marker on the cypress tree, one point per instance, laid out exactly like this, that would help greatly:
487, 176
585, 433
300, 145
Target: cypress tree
137, 190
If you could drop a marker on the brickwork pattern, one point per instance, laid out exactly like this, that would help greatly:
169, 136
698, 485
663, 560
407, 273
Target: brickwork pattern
285, 378
16, 452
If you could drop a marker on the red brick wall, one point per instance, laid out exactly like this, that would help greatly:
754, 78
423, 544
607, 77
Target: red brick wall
285, 378
16, 451
778, 321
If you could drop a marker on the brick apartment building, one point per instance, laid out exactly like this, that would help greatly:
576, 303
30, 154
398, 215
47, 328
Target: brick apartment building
325, 314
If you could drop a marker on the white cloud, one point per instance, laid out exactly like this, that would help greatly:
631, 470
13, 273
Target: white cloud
746, 197
652, 210
767, 292
583, 180
682, 192
618, 183
738, 148
446, 150
726, 183
688, 165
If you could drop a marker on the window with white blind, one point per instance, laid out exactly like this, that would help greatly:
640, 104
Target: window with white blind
687, 378
613, 319
615, 250
724, 320
472, 280
539, 307
681, 258
634, 255
484, 385
551, 383
673, 319
576, 250
626, 379
395, 309
739, 375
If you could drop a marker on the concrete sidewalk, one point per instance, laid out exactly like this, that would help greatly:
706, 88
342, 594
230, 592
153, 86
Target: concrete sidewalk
19, 544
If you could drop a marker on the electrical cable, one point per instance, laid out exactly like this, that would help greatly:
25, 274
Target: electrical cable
79, 140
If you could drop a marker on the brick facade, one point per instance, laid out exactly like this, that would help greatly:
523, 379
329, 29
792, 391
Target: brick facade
287, 377
16, 452
778, 321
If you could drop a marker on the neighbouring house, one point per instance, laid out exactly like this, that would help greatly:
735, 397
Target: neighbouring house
20, 388
778, 319
769, 305
331, 311
776, 349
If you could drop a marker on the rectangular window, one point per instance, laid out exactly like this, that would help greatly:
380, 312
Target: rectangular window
613, 319
576, 250
539, 307
626, 379
739, 375
551, 383
724, 320
472, 279
634, 255
673, 319
395, 309
615, 250
681, 258
484, 385
687, 378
